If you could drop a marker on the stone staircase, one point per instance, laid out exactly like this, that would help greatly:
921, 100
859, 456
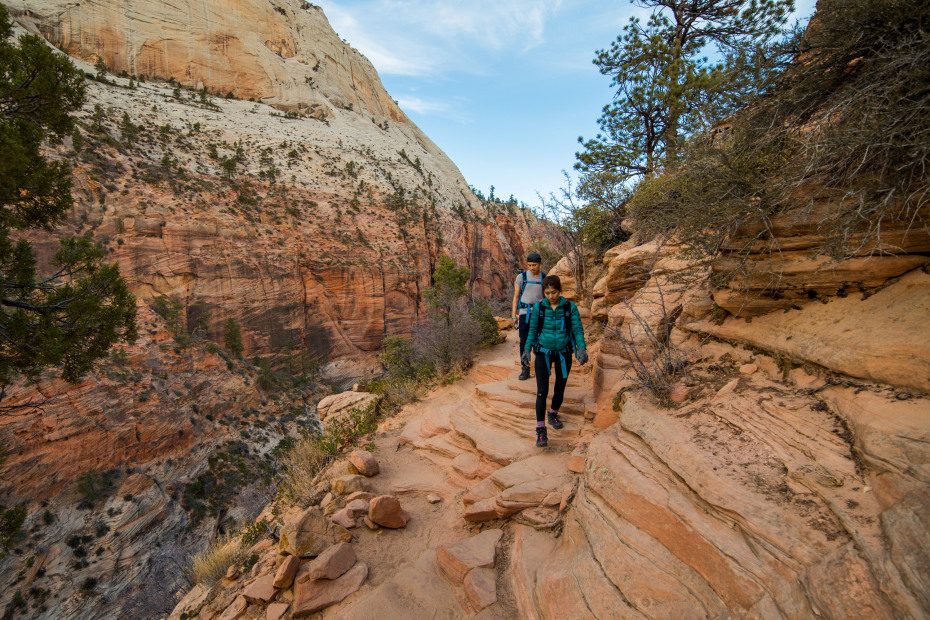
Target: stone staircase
498, 423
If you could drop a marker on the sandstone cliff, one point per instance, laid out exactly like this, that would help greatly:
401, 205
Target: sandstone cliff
313, 223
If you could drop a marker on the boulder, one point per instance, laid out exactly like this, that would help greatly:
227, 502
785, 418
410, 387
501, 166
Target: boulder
385, 510
313, 595
333, 563
455, 559
310, 533
345, 485
365, 462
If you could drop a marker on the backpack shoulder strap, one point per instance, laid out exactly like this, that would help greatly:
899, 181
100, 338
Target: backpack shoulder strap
540, 319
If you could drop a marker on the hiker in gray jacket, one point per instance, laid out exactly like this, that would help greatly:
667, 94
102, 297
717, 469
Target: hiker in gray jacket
527, 290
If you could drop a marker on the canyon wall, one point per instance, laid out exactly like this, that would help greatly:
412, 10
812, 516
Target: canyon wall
311, 217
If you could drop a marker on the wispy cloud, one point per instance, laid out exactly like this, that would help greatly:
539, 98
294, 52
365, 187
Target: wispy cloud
453, 110
430, 37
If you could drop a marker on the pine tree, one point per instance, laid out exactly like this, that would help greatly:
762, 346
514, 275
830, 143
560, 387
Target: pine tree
68, 317
664, 81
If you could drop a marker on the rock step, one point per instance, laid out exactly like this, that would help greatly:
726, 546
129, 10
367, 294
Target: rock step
437, 421
500, 395
444, 445
520, 421
488, 373
506, 445
498, 445
575, 392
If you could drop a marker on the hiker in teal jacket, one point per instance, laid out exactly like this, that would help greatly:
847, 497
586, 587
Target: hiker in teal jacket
555, 332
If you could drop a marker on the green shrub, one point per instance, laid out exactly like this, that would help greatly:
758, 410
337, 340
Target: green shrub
232, 337
11, 521
481, 311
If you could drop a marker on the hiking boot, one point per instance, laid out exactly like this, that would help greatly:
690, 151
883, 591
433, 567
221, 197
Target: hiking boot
525, 373
554, 420
542, 440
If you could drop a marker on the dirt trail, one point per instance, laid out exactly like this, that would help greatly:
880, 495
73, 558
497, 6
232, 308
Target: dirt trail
456, 443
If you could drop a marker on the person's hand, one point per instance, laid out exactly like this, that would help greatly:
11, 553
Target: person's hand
582, 356
525, 357
514, 320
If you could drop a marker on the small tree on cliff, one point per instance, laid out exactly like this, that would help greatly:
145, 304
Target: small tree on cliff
664, 80
68, 316
232, 337
450, 285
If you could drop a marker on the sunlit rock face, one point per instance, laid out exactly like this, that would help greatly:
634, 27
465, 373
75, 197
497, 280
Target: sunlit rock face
282, 52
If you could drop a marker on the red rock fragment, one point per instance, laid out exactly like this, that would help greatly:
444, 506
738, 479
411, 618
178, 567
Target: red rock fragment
276, 610
385, 510
261, 590
333, 563
480, 587
236, 609
313, 595
286, 572
364, 462
344, 517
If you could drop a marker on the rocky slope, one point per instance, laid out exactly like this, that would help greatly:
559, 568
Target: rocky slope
311, 217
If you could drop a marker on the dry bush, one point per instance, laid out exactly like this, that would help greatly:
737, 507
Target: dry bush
300, 465
210, 566
447, 343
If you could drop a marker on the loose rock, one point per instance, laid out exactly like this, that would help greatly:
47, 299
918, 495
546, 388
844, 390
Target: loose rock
344, 518
333, 563
286, 572
310, 533
386, 511
313, 595
365, 462
349, 484
276, 610
235, 610
358, 506
261, 590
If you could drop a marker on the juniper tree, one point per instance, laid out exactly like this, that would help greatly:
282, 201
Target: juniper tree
68, 315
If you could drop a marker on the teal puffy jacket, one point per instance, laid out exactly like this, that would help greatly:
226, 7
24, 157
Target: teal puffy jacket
556, 335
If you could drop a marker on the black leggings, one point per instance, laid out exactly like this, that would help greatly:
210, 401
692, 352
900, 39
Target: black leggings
542, 381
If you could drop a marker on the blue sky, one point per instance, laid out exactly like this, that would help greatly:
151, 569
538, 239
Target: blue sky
504, 87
